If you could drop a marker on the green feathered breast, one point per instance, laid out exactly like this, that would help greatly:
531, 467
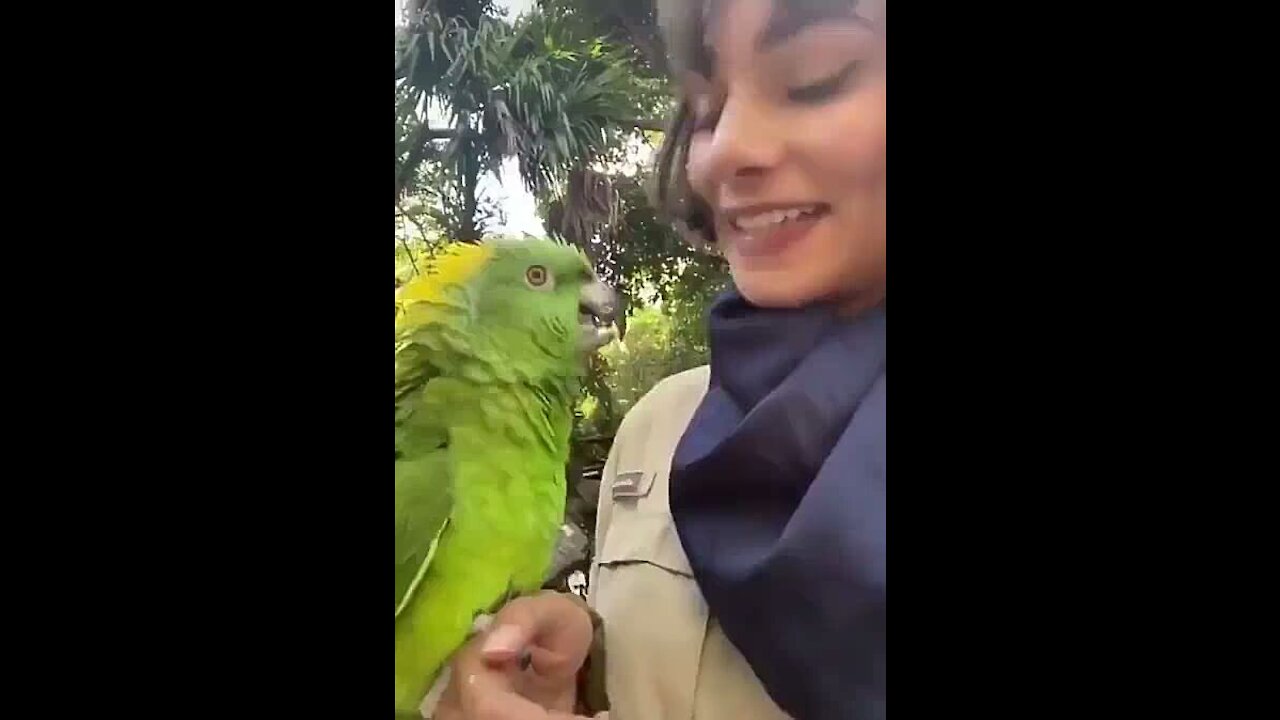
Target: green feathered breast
489, 349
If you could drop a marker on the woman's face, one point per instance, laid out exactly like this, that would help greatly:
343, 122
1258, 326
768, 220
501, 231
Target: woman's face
788, 149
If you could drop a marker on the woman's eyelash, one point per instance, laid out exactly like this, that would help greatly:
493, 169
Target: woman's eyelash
815, 93
825, 89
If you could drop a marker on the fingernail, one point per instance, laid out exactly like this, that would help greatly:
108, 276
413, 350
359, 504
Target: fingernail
503, 639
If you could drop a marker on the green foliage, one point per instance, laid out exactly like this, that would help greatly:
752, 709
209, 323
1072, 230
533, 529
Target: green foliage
573, 99
663, 338
535, 88
686, 303
418, 235
644, 358
411, 254
629, 23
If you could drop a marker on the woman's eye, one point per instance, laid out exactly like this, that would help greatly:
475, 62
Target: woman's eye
825, 89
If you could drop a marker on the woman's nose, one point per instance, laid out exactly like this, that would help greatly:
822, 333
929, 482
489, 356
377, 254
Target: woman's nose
745, 143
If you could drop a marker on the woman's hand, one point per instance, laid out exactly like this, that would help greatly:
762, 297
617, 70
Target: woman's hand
549, 631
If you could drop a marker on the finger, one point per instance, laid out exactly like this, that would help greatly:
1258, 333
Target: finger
487, 696
545, 682
513, 630
485, 693
550, 663
450, 705
542, 660
547, 620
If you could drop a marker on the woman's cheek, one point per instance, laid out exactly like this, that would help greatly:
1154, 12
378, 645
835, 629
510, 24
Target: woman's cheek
848, 141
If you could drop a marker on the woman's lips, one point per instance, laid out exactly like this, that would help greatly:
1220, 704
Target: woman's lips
763, 232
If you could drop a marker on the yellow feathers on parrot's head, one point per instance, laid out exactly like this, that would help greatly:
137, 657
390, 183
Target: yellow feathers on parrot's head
528, 302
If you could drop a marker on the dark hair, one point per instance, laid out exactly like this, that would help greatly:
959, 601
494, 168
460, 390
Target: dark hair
683, 24
683, 27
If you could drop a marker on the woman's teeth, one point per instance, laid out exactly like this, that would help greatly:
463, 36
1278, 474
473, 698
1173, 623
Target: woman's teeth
771, 218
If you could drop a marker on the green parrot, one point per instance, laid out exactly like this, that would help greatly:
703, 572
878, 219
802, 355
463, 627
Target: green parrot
490, 344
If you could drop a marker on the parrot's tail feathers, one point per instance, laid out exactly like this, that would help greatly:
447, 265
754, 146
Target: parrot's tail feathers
428, 706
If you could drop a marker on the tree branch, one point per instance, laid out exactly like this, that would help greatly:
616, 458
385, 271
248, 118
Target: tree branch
422, 230
646, 41
412, 262
448, 133
421, 139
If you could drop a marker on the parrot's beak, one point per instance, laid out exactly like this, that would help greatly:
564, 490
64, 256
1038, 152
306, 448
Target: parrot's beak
598, 309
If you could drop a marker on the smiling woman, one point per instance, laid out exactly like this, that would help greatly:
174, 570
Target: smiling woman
778, 152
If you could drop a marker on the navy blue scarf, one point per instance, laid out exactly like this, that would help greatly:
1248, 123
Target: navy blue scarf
778, 495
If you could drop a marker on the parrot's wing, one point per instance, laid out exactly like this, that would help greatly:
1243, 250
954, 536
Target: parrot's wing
424, 500
424, 487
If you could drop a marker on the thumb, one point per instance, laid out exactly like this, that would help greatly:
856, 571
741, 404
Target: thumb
558, 626
513, 629
506, 640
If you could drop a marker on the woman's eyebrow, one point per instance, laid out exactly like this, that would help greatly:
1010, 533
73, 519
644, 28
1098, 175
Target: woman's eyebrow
786, 24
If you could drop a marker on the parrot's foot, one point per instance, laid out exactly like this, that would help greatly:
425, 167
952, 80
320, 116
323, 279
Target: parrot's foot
432, 699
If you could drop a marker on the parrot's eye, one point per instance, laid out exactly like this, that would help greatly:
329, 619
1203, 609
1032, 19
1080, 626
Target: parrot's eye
537, 276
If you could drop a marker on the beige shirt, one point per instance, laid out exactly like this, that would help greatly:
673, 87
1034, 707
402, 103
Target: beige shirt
667, 659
